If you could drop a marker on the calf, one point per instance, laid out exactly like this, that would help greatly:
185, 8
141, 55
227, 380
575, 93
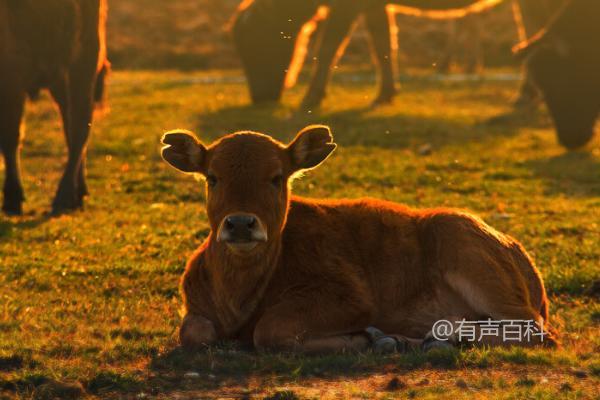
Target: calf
291, 273
564, 61
59, 45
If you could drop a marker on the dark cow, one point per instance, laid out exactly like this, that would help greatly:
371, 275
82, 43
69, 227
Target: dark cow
531, 16
271, 37
269, 33
59, 45
564, 61
286, 272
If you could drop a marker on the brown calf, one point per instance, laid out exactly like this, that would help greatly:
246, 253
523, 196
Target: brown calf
58, 45
286, 272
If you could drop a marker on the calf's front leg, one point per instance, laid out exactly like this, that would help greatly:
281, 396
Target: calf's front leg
319, 322
196, 332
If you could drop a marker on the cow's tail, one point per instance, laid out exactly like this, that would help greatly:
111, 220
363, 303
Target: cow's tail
442, 9
100, 88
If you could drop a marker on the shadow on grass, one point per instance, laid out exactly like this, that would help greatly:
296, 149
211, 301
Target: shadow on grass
9, 225
229, 371
575, 174
358, 126
228, 366
571, 174
527, 117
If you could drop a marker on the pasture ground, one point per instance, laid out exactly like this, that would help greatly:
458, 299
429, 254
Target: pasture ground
89, 301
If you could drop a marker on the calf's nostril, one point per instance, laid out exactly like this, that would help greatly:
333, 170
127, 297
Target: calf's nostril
240, 223
229, 223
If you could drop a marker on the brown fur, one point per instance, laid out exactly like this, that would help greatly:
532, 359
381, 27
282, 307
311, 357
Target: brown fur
58, 45
331, 268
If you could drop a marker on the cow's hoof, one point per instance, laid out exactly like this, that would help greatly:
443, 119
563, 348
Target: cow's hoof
65, 207
82, 190
13, 200
382, 100
66, 201
12, 210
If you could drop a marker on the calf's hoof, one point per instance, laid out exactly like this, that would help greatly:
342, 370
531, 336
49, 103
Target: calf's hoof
431, 343
384, 344
196, 332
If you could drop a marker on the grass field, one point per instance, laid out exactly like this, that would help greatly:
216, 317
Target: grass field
89, 301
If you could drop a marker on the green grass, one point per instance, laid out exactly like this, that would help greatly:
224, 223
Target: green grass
89, 301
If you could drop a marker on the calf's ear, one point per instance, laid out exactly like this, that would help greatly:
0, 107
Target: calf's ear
311, 147
184, 151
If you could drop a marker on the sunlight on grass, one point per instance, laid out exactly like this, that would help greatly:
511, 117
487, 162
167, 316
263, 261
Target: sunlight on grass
91, 298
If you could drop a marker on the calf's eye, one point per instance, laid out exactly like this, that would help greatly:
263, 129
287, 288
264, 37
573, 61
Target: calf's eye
277, 180
211, 180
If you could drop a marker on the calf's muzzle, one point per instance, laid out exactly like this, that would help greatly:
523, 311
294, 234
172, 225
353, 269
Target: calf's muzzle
241, 231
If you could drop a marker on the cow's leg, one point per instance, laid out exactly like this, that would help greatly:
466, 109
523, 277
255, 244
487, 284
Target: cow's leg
11, 112
196, 332
444, 63
318, 322
60, 93
334, 37
380, 26
80, 89
473, 50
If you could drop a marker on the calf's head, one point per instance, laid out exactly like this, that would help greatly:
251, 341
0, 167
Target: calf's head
247, 177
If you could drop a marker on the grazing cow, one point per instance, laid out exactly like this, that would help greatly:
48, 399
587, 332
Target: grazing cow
564, 61
271, 38
465, 37
531, 16
291, 273
58, 45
